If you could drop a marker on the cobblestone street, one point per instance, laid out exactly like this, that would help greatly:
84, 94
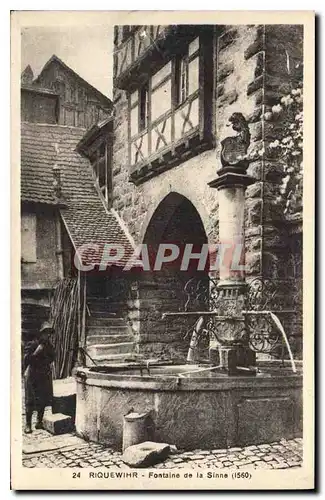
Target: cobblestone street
41, 449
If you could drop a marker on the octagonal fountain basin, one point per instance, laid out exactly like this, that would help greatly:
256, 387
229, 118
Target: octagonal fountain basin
201, 409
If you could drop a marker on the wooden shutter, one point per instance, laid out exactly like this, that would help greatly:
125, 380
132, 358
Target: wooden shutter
28, 237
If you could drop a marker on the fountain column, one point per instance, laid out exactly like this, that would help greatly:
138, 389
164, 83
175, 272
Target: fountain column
231, 188
231, 183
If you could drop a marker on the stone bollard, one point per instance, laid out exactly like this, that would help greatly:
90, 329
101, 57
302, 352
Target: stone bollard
137, 428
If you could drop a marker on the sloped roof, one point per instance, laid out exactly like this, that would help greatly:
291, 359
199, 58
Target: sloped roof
87, 220
55, 59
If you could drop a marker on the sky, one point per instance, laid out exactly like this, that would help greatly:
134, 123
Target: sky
88, 50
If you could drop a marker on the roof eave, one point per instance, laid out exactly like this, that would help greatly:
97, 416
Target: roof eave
91, 135
55, 204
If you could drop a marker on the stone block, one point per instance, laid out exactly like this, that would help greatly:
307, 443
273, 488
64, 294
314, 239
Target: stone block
64, 397
145, 454
268, 170
277, 83
256, 114
58, 423
227, 39
117, 170
225, 70
253, 263
257, 45
254, 190
220, 90
253, 244
255, 85
228, 98
65, 405
260, 64
254, 210
258, 96
255, 169
256, 130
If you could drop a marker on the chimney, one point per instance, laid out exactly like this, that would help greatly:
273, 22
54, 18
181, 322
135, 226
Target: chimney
27, 75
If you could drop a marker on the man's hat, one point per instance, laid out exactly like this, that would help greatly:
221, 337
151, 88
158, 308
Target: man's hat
46, 326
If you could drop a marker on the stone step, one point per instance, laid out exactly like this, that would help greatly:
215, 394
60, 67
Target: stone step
106, 321
103, 314
106, 303
108, 339
108, 330
103, 359
58, 423
96, 350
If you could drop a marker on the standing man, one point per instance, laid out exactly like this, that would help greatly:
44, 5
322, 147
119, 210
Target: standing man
38, 357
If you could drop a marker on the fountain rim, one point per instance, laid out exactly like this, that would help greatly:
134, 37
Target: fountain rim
119, 378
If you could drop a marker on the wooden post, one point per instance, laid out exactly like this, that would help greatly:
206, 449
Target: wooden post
81, 341
59, 250
84, 305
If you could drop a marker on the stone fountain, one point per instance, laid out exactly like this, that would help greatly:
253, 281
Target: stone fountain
232, 401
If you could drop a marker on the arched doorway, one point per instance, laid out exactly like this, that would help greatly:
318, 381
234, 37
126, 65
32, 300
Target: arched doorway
175, 221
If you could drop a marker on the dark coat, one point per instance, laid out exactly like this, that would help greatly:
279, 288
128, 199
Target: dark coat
38, 375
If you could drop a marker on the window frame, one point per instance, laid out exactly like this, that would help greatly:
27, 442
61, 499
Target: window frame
174, 99
204, 127
181, 75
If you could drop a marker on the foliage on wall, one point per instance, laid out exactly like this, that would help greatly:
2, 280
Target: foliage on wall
286, 118
288, 148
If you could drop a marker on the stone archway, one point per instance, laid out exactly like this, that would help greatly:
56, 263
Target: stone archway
175, 221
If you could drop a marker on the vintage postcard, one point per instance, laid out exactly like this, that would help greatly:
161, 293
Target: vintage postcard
163, 212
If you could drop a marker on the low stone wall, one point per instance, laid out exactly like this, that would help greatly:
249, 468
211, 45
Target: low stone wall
206, 413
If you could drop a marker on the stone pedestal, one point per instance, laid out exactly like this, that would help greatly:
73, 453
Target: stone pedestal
234, 354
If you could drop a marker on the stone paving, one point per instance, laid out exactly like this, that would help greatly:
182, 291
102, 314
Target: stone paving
40, 449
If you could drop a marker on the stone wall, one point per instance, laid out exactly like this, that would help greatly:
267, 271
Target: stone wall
256, 66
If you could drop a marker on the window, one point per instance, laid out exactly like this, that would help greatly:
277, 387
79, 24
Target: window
160, 100
101, 162
171, 106
172, 85
181, 79
143, 108
28, 237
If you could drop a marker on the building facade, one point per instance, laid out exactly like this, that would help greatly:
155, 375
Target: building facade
175, 88
67, 99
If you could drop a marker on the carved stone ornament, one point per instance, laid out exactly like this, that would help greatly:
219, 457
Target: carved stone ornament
234, 148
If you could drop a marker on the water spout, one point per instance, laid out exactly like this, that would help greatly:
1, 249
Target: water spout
279, 325
192, 351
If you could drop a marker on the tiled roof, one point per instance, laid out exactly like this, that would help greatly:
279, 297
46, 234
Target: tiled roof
87, 220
